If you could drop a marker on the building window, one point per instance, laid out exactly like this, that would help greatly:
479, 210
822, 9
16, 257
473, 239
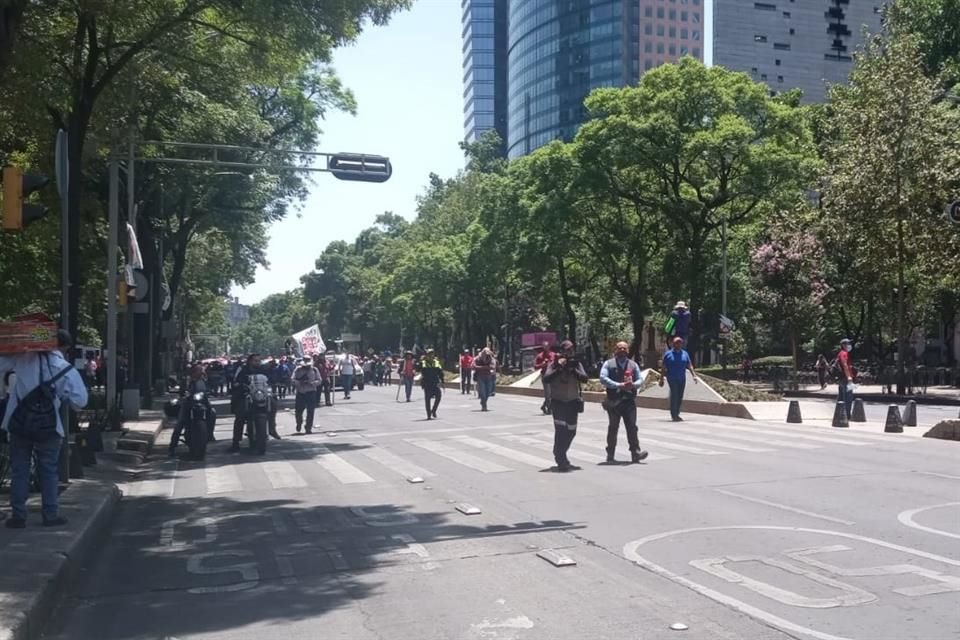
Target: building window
673, 32
648, 29
648, 46
781, 46
648, 65
673, 14
660, 29
660, 12
777, 62
659, 47
780, 79
673, 50
792, 31
683, 51
759, 38
696, 52
786, 14
764, 6
696, 34
683, 16
648, 11
696, 18
683, 34
763, 76
753, 70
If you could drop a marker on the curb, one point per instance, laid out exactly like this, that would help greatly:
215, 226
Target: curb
49, 573
703, 407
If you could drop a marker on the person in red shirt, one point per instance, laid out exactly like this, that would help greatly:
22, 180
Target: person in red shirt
847, 375
466, 371
542, 361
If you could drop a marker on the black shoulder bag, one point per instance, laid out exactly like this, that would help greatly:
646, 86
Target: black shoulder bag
35, 417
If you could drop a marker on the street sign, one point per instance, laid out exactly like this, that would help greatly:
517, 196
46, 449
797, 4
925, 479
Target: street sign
726, 326
953, 211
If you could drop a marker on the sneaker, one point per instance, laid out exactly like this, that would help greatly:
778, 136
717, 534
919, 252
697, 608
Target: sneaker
59, 521
298, 428
677, 419
638, 456
16, 523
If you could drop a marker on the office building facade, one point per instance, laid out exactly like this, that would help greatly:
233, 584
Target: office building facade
484, 31
547, 55
802, 44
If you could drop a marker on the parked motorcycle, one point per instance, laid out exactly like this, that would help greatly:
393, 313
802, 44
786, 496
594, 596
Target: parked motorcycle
198, 430
260, 410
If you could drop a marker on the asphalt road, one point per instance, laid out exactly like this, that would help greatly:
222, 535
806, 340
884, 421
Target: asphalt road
737, 530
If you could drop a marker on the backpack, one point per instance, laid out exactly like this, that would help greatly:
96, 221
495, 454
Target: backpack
35, 417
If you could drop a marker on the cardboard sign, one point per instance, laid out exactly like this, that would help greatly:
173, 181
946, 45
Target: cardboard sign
23, 334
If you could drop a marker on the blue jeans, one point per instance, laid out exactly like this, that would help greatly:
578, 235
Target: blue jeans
347, 381
485, 389
407, 386
676, 395
48, 457
846, 397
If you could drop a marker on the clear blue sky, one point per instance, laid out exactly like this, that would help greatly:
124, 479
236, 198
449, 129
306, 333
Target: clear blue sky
407, 81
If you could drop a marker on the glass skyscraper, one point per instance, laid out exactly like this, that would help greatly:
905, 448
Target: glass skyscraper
529, 64
484, 24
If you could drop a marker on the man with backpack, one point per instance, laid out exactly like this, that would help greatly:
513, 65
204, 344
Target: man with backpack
32, 421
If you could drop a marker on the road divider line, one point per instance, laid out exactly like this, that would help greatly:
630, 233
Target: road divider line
396, 463
339, 468
777, 505
460, 457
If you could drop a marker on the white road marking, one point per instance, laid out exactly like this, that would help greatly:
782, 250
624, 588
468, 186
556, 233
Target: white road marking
396, 463
282, 475
777, 505
247, 570
631, 552
842, 440
906, 518
668, 445
710, 441
222, 480
506, 452
782, 444
460, 457
939, 475
161, 487
339, 468
841, 435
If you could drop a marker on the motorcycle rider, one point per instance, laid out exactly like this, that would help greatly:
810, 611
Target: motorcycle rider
196, 384
241, 385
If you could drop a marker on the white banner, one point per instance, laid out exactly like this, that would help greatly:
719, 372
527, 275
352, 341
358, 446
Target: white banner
310, 341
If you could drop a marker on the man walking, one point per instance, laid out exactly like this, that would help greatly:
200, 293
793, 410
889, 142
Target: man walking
306, 379
485, 368
408, 370
32, 420
847, 375
466, 371
620, 376
327, 369
678, 326
431, 379
563, 376
676, 362
540, 363
347, 368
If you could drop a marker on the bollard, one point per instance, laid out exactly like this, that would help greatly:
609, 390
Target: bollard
893, 424
910, 414
857, 413
840, 416
793, 413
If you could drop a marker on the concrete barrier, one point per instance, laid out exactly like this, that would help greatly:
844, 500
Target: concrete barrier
793, 413
910, 414
857, 412
840, 416
893, 424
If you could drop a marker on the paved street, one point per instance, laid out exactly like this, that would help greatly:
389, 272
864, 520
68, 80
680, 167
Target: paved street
736, 529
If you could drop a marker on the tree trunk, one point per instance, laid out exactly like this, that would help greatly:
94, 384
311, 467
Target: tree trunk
795, 346
901, 314
637, 321
565, 297
76, 136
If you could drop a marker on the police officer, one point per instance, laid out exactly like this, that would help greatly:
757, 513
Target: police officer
431, 379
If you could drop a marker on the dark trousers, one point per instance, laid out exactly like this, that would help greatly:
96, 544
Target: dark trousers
428, 393
306, 401
565, 416
326, 388
465, 378
545, 407
676, 396
846, 397
627, 410
239, 421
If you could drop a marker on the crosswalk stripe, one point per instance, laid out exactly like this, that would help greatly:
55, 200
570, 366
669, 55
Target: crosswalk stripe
506, 452
666, 445
798, 436
460, 457
544, 442
768, 441
161, 487
709, 441
339, 468
282, 475
222, 479
844, 435
396, 463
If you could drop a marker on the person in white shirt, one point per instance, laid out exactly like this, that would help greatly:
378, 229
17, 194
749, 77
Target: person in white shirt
30, 370
347, 368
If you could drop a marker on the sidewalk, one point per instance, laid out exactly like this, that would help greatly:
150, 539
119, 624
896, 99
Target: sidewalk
875, 393
819, 412
39, 564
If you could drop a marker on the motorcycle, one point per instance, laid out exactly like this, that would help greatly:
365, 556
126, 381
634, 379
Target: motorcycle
260, 410
198, 431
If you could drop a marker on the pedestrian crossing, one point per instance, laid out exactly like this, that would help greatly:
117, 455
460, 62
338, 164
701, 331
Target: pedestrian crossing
300, 464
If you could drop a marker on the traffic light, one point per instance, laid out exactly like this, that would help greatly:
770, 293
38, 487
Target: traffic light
17, 187
359, 167
123, 292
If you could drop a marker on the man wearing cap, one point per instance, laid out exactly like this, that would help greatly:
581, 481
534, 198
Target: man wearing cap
306, 379
847, 375
678, 326
431, 379
466, 371
676, 362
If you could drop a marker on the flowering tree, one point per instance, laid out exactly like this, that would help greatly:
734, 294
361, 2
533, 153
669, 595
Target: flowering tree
788, 284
